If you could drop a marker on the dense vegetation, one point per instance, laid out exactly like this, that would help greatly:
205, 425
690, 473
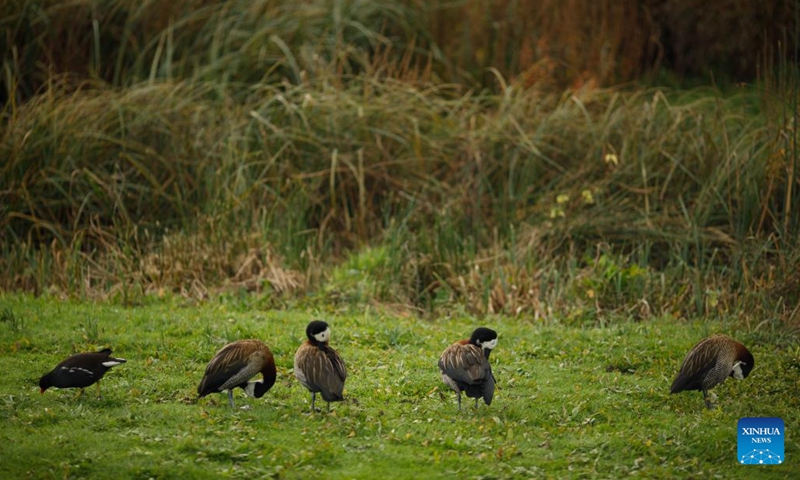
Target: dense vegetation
355, 151
603, 182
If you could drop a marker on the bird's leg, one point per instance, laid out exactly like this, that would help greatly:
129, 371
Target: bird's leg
329, 407
80, 394
476, 403
459, 400
98, 390
313, 401
709, 398
230, 397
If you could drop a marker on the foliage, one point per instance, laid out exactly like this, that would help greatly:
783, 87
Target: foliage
556, 43
177, 188
198, 147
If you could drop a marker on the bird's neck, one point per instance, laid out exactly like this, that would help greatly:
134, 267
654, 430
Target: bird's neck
258, 388
486, 351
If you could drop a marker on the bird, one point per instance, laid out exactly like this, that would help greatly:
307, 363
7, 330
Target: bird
465, 366
709, 363
318, 367
80, 371
234, 365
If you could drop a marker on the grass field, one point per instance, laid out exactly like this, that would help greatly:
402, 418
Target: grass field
572, 402
600, 181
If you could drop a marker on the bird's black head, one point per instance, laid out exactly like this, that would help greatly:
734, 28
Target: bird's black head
486, 338
318, 332
44, 383
744, 362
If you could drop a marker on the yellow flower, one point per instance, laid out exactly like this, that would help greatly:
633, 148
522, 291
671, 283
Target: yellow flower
612, 158
563, 198
588, 198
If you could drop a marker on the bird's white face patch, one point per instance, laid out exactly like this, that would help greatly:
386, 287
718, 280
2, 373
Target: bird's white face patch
737, 370
490, 344
323, 336
111, 363
250, 389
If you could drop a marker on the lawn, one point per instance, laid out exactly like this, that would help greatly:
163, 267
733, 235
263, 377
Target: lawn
572, 401
177, 175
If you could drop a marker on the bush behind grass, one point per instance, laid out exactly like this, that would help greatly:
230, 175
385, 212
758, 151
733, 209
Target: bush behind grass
554, 43
473, 197
570, 401
273, 146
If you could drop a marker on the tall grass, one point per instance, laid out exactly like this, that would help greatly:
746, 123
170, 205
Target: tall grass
223, 42
552, 43
439, 175
313, 148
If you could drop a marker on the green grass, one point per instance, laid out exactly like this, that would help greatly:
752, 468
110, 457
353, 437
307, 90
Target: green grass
572, 402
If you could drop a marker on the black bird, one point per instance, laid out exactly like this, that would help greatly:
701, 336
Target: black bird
318, 366
234, 365
710, 362
465, 366
80, 371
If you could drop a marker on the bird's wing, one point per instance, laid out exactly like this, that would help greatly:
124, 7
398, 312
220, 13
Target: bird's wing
337, 363
698, 362
230, 367
76, 375
464, 363
323, 371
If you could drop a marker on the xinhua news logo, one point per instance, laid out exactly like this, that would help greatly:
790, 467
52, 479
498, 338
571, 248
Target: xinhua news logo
761, 441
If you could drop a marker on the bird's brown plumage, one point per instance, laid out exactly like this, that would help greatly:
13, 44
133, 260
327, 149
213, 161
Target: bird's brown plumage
465, 366
234, 365
318, 367
710, 362
464, 362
